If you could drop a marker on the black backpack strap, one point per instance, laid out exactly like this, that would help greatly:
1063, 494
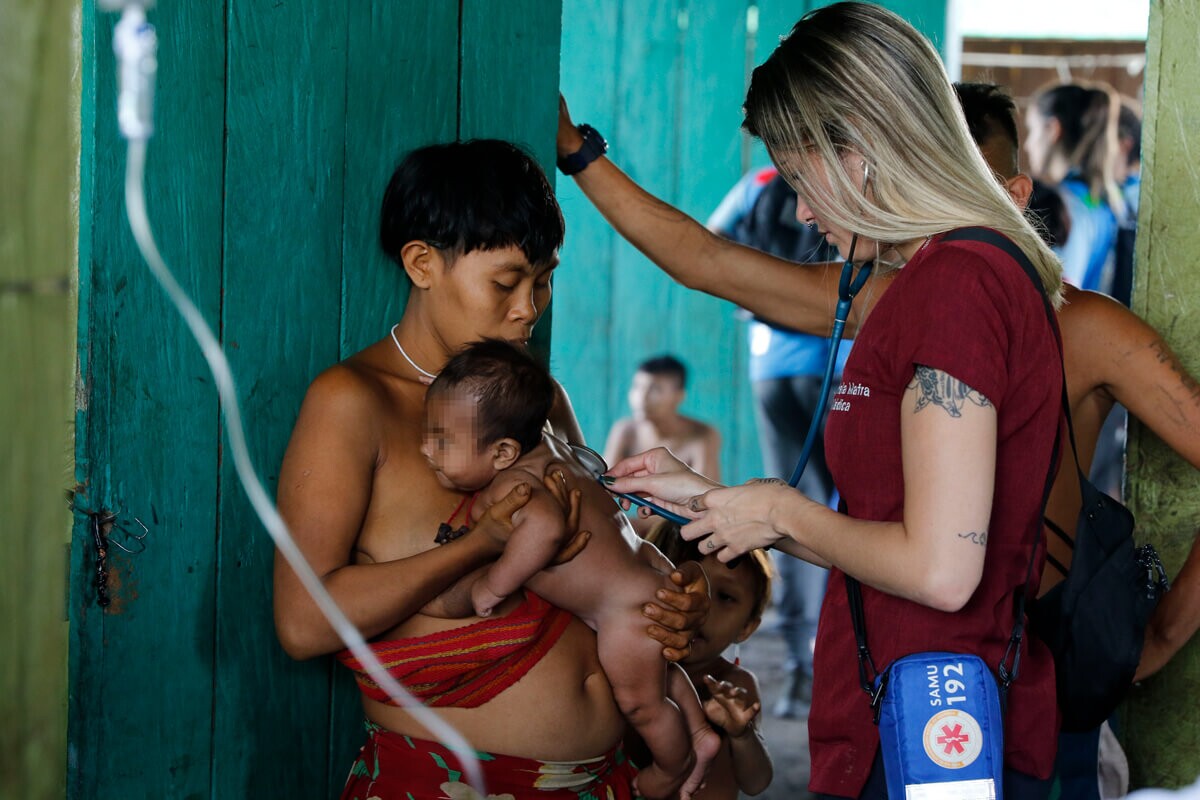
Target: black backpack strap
994, 238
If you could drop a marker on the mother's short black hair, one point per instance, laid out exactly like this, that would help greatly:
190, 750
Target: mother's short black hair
481, 194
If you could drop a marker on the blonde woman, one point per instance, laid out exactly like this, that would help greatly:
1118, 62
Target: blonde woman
942, 430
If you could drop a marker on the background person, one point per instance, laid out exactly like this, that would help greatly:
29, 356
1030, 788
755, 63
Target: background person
656, 392
1071, 140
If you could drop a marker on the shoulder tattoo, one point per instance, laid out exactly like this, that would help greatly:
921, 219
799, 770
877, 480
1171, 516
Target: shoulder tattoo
935, 387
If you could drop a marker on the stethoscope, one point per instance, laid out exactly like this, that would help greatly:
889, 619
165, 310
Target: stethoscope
593, 462
849, 285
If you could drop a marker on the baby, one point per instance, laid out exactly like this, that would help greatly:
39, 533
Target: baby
484, 420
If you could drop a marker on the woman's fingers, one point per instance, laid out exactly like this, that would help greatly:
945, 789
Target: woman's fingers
572, 548
677, 645
504, 508
650, 462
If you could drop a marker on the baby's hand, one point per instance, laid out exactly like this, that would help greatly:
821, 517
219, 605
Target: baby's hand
729, 707
484, 599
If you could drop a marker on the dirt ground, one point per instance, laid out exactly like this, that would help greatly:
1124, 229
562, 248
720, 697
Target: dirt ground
787, 739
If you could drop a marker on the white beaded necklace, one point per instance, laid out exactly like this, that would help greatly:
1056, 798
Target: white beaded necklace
411, 363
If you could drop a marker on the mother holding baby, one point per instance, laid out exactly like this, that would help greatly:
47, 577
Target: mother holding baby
476, 228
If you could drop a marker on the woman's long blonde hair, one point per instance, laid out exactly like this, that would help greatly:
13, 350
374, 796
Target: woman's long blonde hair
853, 79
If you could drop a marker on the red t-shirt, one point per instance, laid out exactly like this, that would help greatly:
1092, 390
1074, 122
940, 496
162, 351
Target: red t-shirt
967, 309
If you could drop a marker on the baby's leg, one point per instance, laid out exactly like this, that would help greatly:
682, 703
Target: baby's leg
706, 742
635, 668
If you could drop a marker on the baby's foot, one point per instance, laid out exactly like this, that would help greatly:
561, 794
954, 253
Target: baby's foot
706, 743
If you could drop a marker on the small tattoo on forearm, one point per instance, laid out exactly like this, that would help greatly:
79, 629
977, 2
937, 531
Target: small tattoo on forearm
978, 537
935, 387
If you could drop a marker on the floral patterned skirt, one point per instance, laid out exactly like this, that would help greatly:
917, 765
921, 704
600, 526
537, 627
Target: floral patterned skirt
392, 766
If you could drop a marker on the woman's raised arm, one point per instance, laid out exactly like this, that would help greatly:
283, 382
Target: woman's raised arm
802, 297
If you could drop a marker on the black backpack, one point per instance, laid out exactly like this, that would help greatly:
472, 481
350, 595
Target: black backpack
1095, 620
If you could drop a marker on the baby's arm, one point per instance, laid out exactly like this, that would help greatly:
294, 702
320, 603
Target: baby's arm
735, 707
537, 537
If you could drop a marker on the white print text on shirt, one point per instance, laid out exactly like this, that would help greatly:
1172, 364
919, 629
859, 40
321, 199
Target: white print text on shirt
841, 401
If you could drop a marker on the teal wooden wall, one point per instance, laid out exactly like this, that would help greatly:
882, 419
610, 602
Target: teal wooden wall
278, 124
664, 82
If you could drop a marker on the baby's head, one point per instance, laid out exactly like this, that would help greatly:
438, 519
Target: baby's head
739, 593
486, 408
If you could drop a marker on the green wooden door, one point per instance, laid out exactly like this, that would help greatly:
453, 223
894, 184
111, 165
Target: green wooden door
278, 124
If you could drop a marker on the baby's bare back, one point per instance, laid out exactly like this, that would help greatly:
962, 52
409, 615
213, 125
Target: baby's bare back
616, 572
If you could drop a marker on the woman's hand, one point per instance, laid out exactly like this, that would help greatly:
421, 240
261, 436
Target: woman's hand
730, 708
555, 481
682, 605
734, 520
497, 522
662, 477
569, 140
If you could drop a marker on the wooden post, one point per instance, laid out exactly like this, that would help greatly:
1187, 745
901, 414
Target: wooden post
1161, 737
38, 149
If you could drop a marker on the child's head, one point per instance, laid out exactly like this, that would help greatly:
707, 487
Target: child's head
483, 194
739, 593
484, 410
657, 388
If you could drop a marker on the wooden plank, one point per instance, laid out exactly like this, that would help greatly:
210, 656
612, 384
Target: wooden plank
402, 86
281, 325
646, 145
1163, 490
141, 686
705, 332
416, 46
508, 85
37, 150
583, 295
508, 88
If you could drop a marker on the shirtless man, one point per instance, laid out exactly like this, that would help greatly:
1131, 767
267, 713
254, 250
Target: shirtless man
654, 398
484, 420
475, 227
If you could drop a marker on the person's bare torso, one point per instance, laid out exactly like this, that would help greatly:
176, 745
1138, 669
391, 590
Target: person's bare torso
687, 440
406, 506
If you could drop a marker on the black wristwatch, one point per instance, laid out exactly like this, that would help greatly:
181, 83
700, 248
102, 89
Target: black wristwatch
594, 146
